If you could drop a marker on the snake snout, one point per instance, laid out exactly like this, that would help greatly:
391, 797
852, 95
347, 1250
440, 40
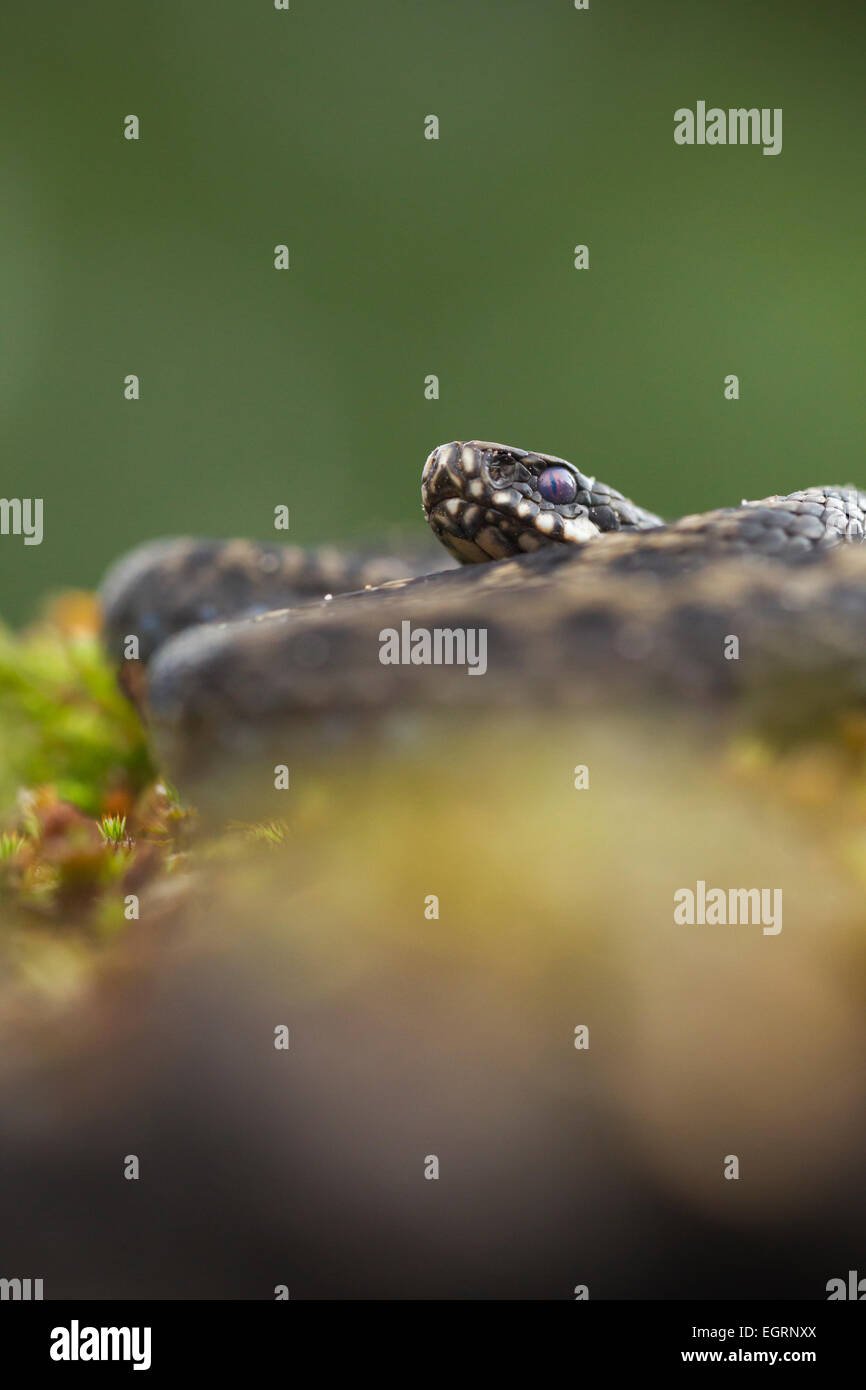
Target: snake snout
443, 476
471, 471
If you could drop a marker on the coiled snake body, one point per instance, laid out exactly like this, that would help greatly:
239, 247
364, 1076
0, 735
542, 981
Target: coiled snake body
581, 595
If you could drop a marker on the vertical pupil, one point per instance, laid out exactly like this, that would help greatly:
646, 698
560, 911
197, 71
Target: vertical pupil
557, 485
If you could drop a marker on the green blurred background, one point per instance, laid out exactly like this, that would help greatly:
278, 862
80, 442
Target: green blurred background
412, 257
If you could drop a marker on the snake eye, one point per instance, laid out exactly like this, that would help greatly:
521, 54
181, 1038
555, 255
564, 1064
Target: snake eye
557, 484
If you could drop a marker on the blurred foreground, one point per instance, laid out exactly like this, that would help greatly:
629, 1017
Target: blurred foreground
413, 1036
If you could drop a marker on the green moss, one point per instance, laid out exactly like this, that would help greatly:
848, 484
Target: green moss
65, 722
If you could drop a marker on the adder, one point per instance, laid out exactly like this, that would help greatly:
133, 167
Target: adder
584, 596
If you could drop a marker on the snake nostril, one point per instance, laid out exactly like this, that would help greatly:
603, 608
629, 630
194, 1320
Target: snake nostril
441, 477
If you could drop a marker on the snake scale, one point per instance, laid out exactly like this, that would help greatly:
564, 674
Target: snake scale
582, 596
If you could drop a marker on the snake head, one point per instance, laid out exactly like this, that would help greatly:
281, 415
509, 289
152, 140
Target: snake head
487, 501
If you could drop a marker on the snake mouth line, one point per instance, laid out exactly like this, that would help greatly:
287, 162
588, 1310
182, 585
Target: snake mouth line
473, 531
476, 531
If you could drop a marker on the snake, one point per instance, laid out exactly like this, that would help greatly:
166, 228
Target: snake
585, 599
